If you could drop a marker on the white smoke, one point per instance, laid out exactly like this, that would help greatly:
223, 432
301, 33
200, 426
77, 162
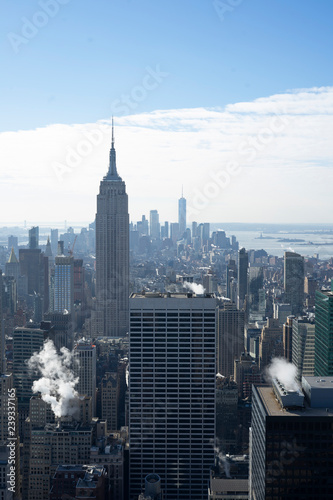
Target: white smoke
284, 371
195, 288
223, 460
58, 381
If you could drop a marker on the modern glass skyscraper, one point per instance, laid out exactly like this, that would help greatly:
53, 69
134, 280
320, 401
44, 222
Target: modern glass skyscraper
172, 392
112, 253
324, 333
64, 284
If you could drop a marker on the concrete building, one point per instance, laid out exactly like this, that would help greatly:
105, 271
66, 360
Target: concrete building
230, 337
65, 442
111, 456
110, 400
281, 312
246, 373
26, 341
303, 347
226, 413
112, 254
271, 344
229, 478
79, 482
85, 368
294, 281
291, 441
287, 332
172, 392
243, 261
64, 284
154, 225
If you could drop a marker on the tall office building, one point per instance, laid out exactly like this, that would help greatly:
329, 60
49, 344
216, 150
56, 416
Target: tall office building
34, 238
12, 267
294, 281
324, 333
271, 342
230, 337
154, 225
255, 281
112, 253
287, 338
85, 369
291, 441
172, 392
13, 243
243, 261
182, 215
64, 284
303, 346
54, 241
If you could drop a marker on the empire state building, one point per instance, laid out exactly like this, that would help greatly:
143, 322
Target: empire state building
112, 253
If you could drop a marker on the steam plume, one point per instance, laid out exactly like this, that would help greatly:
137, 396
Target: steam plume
195, 288
58, 381
284, 371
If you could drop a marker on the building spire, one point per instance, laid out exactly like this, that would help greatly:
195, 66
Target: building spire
112, 173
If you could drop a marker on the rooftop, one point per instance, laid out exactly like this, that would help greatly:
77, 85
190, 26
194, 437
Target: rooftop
273, 408
168, 295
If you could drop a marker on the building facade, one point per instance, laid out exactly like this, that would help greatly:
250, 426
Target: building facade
291, 447
324, 333
172, 392
294, 281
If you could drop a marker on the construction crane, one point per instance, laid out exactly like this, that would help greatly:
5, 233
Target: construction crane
72, 249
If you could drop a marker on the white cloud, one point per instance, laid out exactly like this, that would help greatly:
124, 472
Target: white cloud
282, 146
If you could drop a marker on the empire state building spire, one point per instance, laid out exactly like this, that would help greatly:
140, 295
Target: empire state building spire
112, 172
112, 254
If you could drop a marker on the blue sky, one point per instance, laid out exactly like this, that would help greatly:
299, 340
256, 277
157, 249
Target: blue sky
193, 85
90, 53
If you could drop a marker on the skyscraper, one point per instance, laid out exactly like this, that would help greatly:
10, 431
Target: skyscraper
64, 284
230, 340
294, 280
324, 333
291, 441
303, 346
243, 261
85, 369
182, 214
154, 225
172, 392
34, 238
112, 253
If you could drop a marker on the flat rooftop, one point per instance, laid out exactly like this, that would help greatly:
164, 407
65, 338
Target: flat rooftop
320, 382
274, 409
179, 295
